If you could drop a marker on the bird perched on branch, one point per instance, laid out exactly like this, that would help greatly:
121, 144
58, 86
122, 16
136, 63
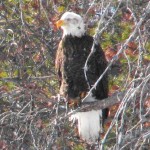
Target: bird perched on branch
71, 55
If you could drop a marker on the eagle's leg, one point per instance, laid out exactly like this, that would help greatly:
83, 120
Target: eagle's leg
83, 94
75, 102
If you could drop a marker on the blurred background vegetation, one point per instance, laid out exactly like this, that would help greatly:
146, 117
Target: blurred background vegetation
28, 84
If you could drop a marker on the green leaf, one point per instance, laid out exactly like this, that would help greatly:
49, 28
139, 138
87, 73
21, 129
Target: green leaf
61, 9
3, 74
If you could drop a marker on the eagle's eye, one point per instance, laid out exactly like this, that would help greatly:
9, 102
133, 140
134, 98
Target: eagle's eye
68, 19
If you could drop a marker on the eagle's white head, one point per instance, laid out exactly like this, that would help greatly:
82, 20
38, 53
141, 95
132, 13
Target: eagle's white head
72, 24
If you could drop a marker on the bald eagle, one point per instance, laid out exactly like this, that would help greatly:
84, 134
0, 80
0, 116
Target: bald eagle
71, 56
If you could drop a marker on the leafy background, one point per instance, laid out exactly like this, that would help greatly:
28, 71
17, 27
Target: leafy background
31, 112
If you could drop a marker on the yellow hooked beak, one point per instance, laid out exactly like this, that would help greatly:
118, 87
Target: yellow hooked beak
60, 23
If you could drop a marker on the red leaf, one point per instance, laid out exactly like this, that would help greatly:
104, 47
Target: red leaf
132, 45
147, 102
147, 124
3, 145
110, 53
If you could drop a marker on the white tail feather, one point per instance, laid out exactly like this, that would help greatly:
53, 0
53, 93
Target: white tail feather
88, 125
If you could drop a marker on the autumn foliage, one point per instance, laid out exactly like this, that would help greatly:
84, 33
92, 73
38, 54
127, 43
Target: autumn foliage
32, 113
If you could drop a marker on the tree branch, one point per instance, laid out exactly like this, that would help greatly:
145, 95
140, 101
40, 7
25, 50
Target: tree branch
110, 101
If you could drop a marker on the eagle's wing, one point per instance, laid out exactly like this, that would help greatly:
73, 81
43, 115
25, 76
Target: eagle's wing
101, 65
101, 90
58, 62
96, 66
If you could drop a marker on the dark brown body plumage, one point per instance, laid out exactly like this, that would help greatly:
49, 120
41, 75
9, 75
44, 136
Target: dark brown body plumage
70, 60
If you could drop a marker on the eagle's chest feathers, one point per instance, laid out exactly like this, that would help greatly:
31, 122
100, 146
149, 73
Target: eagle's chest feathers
75, 50
77, 55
